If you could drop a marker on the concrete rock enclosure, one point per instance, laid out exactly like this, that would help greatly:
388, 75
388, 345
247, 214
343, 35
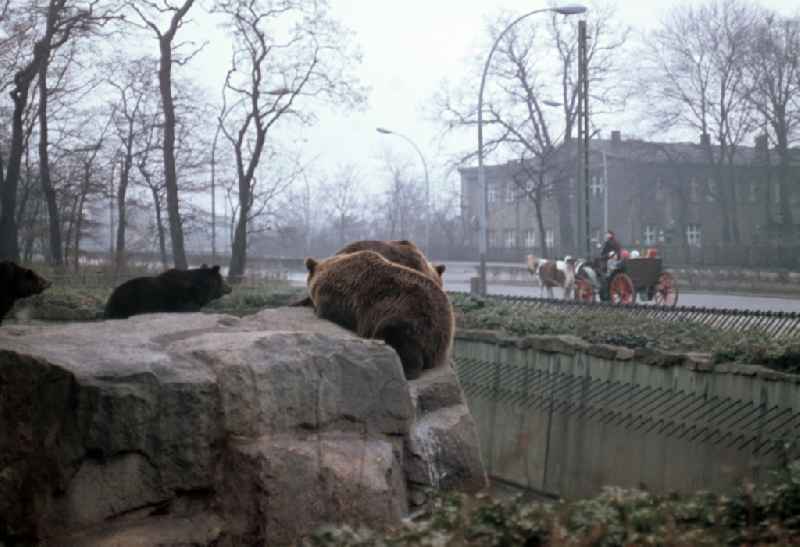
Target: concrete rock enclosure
198, 429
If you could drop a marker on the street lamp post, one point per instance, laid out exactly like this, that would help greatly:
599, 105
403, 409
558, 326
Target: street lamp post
484, 210
427, 184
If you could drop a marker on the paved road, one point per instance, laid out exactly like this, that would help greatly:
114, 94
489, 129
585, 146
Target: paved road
715, 300
458, 273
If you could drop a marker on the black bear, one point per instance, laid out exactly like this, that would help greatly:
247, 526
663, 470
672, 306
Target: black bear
17, 282
171, 291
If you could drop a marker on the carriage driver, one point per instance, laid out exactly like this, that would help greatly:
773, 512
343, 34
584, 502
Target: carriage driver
611, 250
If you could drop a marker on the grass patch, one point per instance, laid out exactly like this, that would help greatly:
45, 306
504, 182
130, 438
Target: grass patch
244, 300
83, 297
765, 514
624, 329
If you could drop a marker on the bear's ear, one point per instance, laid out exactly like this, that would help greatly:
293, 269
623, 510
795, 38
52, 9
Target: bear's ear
311, 264
440, 268
215, 267
203, 266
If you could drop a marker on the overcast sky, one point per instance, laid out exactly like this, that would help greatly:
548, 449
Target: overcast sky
408, 47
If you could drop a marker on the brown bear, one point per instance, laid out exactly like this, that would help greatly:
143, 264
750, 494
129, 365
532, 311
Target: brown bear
401, 251
17, 282
380, 299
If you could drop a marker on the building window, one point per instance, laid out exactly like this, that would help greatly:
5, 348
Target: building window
711, 190
510, 192
659, 189
753, 192
493, 239
694, 190
694, 235
596, 185
510, 238
530, 239
492, 189
549, 238
650, 234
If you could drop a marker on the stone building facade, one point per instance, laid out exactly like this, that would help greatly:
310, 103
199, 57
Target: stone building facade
659, 194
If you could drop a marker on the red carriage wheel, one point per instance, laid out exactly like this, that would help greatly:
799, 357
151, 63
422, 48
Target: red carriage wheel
584, 292
666, 290
620, 289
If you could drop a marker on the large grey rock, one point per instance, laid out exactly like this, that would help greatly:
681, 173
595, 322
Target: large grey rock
196, 429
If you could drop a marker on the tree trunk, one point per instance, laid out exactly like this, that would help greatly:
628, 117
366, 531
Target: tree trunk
537, 204
49, 193
70, 224
162, 244
239, 249
9, 248
30, 237
785, 184
170, 174
120, 259
564, 216
78, 227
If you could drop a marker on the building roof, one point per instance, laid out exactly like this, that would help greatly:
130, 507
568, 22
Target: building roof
652, 152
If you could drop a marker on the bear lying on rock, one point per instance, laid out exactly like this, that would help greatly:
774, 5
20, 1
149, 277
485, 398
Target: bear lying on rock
17, 282
401, 251
171, 291
376, 298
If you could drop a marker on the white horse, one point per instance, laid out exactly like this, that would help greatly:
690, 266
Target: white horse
552, 273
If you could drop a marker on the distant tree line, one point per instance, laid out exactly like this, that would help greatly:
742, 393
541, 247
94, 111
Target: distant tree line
725, 69
93, 138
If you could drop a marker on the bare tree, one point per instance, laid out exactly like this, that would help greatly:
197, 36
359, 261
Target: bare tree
400, 202
273, 75
774, 71
154, 184
62, 21
134, 88
522, 83
695, 79
166, 38
343, 198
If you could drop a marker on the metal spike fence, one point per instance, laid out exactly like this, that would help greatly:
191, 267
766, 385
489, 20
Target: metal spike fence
567, 424
775, 324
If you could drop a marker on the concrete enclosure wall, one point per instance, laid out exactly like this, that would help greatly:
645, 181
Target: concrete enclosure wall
561, 416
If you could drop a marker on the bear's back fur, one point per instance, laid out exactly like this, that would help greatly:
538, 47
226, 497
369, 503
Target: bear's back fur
171, 291
376, 298
402, 252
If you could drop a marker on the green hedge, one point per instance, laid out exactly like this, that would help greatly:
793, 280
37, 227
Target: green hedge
622, 329
767, 514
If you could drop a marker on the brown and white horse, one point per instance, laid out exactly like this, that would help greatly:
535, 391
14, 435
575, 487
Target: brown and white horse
553, 273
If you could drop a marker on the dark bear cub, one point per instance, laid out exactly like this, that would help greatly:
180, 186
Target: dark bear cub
401, 252
17, 282
376, 298
171, 291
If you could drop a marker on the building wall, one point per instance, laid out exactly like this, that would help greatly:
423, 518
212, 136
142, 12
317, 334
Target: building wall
649, 203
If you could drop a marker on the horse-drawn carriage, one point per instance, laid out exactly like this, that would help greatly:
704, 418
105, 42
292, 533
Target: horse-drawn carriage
625, 280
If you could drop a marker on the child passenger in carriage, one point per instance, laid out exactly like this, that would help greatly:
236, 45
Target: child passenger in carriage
610, 253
